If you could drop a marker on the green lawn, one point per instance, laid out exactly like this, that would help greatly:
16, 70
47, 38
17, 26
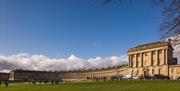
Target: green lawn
99, 86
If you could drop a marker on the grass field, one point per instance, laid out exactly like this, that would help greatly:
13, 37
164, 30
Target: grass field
99, 86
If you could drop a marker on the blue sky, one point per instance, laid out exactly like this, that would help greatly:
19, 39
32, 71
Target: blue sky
85, 28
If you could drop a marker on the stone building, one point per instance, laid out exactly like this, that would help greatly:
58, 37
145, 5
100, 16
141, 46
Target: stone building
143, 60
28, 75
174, 71
93, 74
4, 76
152, 58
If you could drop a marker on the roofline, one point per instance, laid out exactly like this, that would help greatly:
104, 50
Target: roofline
150, 46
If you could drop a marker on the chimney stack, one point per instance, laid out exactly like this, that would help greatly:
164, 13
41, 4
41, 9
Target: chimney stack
169, 40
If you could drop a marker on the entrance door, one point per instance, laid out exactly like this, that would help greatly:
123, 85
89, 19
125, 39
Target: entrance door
145, 73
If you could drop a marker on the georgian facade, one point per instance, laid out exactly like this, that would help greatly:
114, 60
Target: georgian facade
4, 76
93, 74
143, 60
150, 59
29, 75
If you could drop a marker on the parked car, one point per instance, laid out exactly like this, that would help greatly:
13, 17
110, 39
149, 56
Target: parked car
178, 78
160, 76
127, 77
136, 77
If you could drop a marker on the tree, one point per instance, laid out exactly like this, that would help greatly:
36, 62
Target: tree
170, 25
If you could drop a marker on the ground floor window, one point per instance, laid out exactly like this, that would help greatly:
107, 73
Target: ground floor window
132, 72
152, 71
172, 71
137, 72
159, 71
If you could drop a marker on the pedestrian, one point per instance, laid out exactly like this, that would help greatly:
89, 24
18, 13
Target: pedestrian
6, 83
0, 82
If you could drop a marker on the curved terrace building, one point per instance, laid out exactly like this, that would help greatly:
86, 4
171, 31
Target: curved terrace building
143, 60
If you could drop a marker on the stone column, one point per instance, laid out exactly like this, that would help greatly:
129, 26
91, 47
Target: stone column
165, 56
163, 59
141, 59
150, 58
134, 61
157, 57
129, 60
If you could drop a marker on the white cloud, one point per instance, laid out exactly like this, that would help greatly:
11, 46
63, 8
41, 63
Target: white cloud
41, 62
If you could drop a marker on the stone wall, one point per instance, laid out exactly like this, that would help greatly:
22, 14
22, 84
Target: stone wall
174, 71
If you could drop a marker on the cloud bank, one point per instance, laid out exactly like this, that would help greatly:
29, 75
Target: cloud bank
40, 62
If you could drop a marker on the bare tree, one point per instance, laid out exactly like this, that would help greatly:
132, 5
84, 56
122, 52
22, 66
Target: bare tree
170, 25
